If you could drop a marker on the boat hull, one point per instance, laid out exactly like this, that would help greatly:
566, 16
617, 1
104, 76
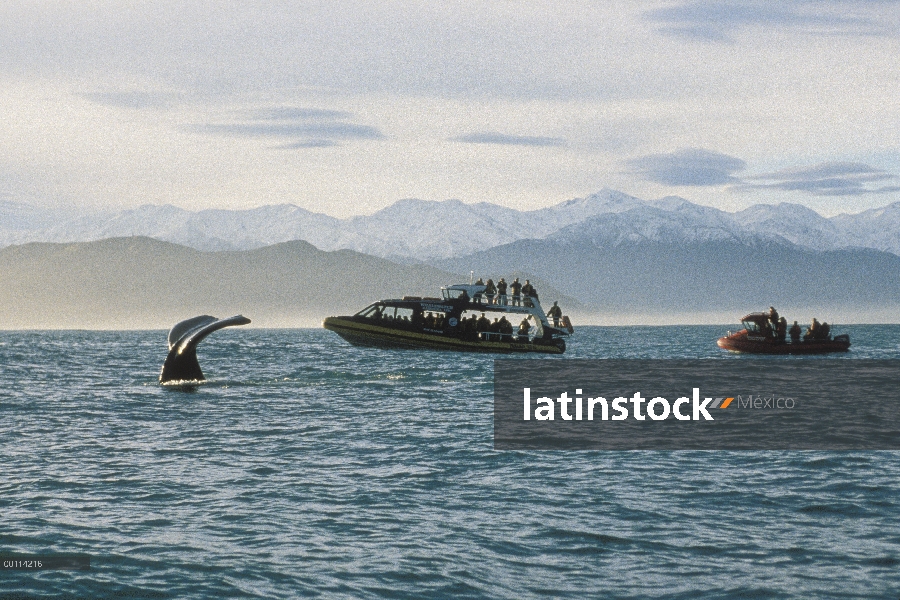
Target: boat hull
377, 336
741, 343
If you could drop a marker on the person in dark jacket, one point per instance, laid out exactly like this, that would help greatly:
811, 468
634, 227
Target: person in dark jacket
516, 289
490, 291
524, 328
555, 313
506, 329
528, 293
501, 292
795, 332
781, 329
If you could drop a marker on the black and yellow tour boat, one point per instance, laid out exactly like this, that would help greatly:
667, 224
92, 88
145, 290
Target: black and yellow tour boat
462, 319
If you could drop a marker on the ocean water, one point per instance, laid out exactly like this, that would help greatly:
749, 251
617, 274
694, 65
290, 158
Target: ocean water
306, 467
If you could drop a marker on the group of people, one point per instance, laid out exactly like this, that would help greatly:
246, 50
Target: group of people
777, 328
501, 293
480, 327
476, 327
433, 321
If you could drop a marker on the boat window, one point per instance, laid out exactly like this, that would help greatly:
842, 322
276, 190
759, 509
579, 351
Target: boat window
404, 314
751, 326
368, 311
451, 294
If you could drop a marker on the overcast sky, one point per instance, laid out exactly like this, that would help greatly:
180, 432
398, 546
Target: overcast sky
346, 107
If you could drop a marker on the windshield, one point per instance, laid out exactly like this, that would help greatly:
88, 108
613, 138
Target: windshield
369, 310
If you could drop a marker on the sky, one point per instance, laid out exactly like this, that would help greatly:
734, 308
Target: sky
345, 107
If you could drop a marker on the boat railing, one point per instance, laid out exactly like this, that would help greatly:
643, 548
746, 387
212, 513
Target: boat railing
508, 301
491, 336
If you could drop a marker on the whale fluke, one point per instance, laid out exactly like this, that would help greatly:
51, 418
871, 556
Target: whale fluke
181, 363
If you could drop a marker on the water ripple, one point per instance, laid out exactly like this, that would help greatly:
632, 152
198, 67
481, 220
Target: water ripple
306, 467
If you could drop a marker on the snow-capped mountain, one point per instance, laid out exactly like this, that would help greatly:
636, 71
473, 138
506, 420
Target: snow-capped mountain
877, 228
796, 223
413, 230
685, 223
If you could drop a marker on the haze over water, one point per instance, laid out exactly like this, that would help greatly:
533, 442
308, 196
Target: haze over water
307, 467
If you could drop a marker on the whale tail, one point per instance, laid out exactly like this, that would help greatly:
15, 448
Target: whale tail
181, 363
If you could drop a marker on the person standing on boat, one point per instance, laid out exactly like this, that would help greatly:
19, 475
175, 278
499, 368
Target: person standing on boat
795, 333
555, 313
501, 292
516, 289
773, 317
490, 291
528, 292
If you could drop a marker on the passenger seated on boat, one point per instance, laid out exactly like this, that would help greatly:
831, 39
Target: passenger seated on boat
483, 324
501, 292
524, 328
506, 328
824, 332
812, 332
439, 321
555, 313
490, 291
429, 321
781, 329
477, 297
516, 289
795, 333
470, 330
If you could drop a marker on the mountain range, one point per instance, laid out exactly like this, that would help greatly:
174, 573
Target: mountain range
419, 230
608, 258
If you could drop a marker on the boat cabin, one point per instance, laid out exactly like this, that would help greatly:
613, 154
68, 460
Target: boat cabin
757, 324
453, 292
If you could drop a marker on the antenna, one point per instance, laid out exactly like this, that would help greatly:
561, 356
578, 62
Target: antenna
471, 277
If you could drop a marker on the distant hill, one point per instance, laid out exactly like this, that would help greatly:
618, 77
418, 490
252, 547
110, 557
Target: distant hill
418, 230
144, 283
139, 282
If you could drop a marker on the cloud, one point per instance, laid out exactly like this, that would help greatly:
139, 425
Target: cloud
290, 113
308, 144
689, 167
134, 99
490, 137
719, 21
311, 127
828, 179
